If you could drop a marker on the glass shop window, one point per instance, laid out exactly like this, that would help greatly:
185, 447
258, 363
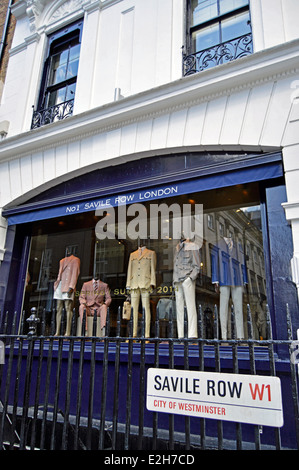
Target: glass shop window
223, 264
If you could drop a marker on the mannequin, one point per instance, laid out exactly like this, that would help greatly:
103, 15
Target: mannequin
141, 278
229, 277
95, 295
185, 271
64, 287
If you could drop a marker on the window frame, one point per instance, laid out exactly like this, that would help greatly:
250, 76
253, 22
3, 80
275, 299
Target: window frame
215, 20
67, 35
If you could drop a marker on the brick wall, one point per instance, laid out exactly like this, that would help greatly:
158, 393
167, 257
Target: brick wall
7, 40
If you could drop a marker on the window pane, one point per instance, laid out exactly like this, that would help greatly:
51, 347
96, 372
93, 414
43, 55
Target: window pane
75, 52
230, 5
58, 67
235, 26
206, 38
203, 10
72, 69
70, 93
235, 265
57, 96
231, 265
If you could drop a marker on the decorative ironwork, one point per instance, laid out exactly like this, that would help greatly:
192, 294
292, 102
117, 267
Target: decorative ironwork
219, 54
54, 113
88, 392
33, 321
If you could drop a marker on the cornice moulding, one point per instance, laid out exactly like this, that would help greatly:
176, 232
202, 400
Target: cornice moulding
268, 65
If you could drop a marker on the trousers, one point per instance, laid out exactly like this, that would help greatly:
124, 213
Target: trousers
69, 315
185, 295
236, 293
145, 300
100, 332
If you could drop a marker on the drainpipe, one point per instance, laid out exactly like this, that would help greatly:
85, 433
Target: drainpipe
2, 43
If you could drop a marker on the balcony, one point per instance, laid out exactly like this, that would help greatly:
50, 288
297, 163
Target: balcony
54, 113
218, 54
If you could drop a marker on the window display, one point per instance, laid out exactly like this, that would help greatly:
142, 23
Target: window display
141, 280
222, 265
185, 271
64, 288
94, 296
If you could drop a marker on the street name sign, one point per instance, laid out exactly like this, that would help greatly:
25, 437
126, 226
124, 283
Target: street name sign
253, 399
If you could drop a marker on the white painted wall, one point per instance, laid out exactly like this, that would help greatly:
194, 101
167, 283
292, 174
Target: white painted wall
135, 45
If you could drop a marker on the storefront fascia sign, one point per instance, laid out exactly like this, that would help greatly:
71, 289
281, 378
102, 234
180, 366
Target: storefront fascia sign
19, 216
251, 399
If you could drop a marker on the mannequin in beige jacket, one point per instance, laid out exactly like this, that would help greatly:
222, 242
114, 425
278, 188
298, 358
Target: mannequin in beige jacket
141, 278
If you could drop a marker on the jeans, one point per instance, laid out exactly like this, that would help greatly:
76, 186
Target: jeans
185, 295
135, 299
237, 299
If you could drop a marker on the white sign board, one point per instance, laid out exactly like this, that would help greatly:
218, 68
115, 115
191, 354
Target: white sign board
253, 399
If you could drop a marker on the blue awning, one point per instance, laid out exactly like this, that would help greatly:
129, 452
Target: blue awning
205, 182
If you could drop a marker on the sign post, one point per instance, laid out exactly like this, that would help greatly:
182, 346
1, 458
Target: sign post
240, 398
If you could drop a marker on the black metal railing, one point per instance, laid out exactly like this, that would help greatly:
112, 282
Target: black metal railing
80, 392
218, 54
53, 113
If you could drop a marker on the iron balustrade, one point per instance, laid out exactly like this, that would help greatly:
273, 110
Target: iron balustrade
218, 54
88, 392
54, 113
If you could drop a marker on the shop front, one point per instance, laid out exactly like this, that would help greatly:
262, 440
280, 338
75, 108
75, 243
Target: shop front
182, 237
240, 240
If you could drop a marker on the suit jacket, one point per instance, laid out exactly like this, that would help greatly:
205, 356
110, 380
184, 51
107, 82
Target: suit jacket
91, 299
142, 269
69, 270
186, 261
228, 264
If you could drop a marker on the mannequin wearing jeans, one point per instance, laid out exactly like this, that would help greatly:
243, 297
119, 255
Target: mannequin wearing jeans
185, 271
229, 276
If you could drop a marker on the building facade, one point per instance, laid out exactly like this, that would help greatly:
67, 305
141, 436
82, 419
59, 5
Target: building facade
120, 117
191, 102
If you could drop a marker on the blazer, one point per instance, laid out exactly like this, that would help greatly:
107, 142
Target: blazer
99, 299
228, 264
90, 297
142, 269
186, 261
69, 270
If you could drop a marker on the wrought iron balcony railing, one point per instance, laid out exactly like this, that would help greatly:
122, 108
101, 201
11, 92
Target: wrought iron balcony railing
219, 54
54, 113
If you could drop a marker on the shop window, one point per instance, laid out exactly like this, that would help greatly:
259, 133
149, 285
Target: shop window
210, 219
58, 87
225, 271
219, 31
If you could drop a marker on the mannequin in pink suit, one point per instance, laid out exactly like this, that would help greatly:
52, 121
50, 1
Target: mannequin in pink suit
64, 287
95, 295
